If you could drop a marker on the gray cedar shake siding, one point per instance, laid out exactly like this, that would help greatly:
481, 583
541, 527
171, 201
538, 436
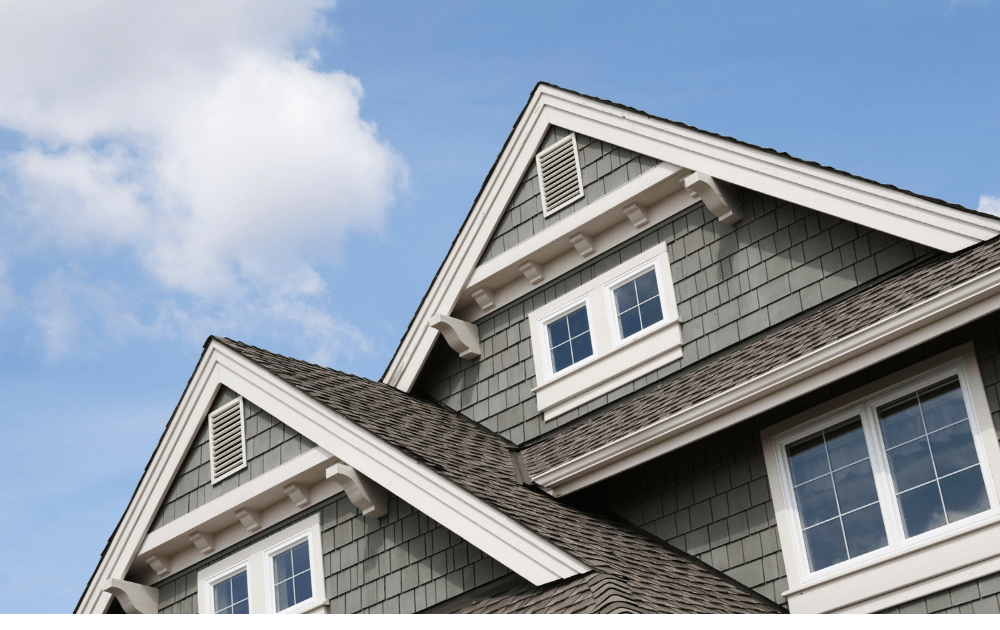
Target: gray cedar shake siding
270, 443
603, 168
712, 498
980, 596
403, 562
731, 282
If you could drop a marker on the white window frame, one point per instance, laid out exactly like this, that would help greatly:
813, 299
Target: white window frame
615, 362
258, 562
907, 567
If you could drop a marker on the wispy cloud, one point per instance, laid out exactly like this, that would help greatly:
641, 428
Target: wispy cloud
199, 141
954, 4
990, 205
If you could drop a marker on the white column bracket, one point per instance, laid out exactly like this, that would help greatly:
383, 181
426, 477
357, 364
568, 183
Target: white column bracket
462, 336
584, 246
531, 271
249, 519
364, 493
205, 543
636, 214
136, 599
159, 564
298, 493
719, 196
484, 298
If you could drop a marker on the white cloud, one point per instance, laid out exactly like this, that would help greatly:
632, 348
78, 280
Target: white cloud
989, 205
198, 139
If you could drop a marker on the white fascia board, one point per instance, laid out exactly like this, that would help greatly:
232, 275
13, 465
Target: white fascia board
934, 225
497, 535
915, 325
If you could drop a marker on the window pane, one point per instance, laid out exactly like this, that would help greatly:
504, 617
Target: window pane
283, 566
562, 357
846, 444
943, 405
242, 608
645, 286
581, 347
558, 332
284, 595
855, 486
911, 465
300, 557
953, 448
578, 322
807, 460
651, 312
303, 586
922, 510
625, 297
223, 595
816, 501
630, 323
964, 494
864, 530
901, 421
825, 545
239, 587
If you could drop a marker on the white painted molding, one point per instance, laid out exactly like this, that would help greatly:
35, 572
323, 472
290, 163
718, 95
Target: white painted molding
636, 214
910, 327
365, 494
203, 542
160, 564
582, 243
718, 196
298, 493
136, 599
531, 271
250, 519
462, 336
484, 298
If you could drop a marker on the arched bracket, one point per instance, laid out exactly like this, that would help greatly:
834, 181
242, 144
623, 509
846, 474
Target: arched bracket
463, 337
364, 493
719, 196
136, 599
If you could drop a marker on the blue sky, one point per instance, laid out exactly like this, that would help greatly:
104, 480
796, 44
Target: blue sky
291, 175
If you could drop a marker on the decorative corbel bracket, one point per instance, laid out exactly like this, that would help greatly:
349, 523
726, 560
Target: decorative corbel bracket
136, 599
364, 493
636, 214
584, 246
160, 564
484, 298
249, 519
462, 336
719, 196
298, 493
532, 272
205, 543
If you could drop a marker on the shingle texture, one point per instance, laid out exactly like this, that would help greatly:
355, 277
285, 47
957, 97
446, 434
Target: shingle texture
659, 578
980, 596
774, 350
731, 283
603, 168
270, 443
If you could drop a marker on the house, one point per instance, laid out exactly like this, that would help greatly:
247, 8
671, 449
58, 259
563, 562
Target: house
659, 370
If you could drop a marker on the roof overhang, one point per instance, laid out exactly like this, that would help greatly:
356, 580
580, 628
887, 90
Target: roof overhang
908, 328
684, 150
497, 535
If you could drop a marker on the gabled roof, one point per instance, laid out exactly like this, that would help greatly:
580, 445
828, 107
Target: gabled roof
936, 278
651, 576
919, 218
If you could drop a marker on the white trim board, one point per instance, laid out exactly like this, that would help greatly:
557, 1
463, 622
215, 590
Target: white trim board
906, 329
496, 534
934, 225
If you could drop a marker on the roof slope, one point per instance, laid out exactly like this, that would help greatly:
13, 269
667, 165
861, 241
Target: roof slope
816, 331
650, 576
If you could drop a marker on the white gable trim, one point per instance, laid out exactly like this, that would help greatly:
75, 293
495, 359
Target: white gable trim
934, 225
497, 535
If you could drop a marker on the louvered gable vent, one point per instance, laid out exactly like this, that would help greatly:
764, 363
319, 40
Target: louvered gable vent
559, 175
227, 440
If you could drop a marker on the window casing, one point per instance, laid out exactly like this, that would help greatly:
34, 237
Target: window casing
890, 553
268, 583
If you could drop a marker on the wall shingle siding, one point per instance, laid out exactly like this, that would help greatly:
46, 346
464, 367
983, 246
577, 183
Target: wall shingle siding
603, 168
980, 596
270, 443
731, 282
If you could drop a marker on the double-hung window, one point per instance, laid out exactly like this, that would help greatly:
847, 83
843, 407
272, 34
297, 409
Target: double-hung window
569, 339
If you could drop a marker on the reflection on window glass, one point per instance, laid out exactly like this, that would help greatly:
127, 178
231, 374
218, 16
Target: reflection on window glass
231, 596
932, 457
835, 495
569, 338
638, 304
292, 577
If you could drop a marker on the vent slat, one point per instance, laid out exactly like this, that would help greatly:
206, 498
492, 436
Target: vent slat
559, 175
228, 442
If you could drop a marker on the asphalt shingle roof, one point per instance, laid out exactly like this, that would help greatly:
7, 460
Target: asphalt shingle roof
631, 570
812, 333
